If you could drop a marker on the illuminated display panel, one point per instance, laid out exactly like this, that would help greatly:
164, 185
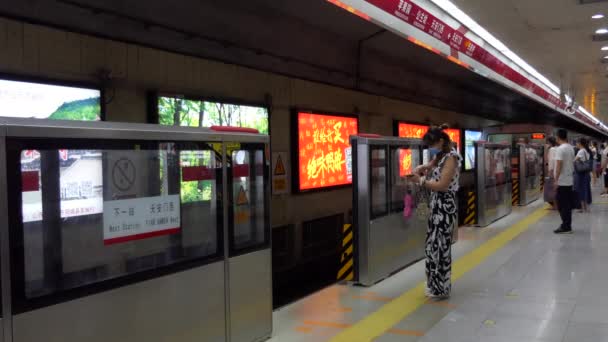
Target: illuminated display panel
80, 180
412, 131
538, 136
454, 134
324, 153
193, 112
174, 110
405, 162
469, 148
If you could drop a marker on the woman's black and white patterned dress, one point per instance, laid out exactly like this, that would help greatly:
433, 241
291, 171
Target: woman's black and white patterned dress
439, 232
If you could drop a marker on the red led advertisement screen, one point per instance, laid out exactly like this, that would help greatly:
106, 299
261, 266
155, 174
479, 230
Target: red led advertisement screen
454, 134
405, 162
412, 131
324, 151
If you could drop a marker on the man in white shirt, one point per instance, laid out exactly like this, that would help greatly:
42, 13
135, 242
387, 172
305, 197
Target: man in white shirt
550, 181
564, 181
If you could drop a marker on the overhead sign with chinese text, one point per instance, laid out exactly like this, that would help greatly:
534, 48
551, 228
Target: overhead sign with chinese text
140, 218
429, 25
324, 151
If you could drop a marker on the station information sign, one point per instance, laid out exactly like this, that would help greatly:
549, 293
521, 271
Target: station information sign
324, 152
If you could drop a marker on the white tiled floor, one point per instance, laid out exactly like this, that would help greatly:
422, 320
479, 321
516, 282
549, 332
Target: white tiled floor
538, 288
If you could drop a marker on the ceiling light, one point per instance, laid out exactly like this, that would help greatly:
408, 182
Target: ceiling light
605, 48
597, 16
601, 31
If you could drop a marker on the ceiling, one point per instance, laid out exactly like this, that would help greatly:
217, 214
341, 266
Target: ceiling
556, 38
311, 40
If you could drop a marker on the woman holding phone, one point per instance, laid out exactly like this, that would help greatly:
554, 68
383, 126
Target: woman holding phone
441, 176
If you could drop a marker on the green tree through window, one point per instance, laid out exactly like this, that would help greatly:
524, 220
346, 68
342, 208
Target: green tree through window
175, 111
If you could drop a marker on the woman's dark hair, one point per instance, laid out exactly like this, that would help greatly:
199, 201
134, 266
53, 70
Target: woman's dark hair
552, 141
434, 135
585, 143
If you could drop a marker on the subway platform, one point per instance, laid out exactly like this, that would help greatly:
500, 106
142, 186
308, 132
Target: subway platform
512, 281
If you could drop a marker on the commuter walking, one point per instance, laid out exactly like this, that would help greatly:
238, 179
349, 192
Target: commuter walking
564, 180
605, 168
442, 178
583, 170
594, 164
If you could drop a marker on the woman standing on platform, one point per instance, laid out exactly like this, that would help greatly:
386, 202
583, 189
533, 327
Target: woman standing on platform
441, 176
582, 180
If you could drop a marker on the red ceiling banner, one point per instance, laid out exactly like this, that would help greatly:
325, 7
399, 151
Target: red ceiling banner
423, 20
324, 151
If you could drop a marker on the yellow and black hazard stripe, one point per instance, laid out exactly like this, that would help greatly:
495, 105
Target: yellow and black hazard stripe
471, 213
347, 257
515, 194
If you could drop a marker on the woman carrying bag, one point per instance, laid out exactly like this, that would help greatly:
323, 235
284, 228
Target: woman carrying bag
583, 166
442, 178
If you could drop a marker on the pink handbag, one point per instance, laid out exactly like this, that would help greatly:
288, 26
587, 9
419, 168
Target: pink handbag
407, 206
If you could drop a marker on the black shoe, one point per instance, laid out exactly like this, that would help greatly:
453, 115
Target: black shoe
561, 230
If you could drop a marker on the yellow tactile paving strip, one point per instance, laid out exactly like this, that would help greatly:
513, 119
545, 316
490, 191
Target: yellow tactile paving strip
382, 320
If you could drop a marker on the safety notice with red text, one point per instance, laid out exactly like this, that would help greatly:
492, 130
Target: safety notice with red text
140, 218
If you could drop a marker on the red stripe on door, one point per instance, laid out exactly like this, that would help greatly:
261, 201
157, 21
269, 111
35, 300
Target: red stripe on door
30, 181
141, 236
197, 173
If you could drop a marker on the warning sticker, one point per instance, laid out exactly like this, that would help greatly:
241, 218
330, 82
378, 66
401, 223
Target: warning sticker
279, 169
242, 197
280, 165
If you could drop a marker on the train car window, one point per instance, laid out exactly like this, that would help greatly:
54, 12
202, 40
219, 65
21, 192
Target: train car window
498, 166
379, 181
150, 206
249, 217
534, 156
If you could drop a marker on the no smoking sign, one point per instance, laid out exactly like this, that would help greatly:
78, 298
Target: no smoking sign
123, 174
